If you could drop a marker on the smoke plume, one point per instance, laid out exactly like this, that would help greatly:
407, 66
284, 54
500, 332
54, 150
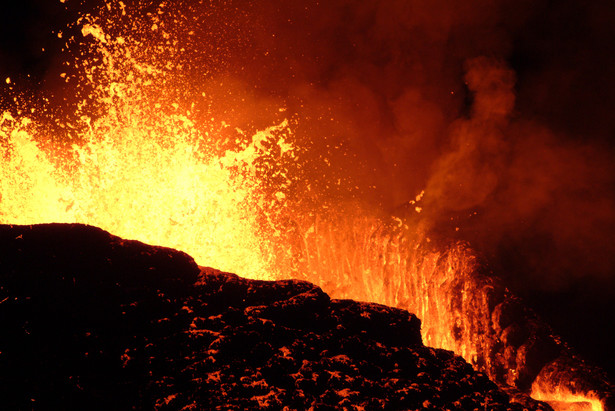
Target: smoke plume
487, 106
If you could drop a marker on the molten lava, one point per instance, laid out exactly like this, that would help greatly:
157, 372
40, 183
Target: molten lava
143, 171
141, 165
562, 399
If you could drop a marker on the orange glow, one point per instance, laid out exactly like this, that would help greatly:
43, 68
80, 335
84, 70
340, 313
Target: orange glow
561, 398
140, 165
358, 257
143, 170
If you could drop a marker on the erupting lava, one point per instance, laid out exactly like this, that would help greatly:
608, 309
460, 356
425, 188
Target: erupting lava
139, 162
141, 169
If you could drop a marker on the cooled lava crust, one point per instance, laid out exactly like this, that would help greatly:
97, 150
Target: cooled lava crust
92, 321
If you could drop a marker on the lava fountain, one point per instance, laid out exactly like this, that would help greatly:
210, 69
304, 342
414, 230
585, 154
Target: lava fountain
139, 159
142, 170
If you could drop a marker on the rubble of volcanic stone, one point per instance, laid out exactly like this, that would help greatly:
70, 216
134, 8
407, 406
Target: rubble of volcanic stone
93, 321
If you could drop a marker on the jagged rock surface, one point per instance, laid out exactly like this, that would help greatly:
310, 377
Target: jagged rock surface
91, 321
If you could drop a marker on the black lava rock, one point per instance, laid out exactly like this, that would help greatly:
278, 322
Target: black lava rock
91, 321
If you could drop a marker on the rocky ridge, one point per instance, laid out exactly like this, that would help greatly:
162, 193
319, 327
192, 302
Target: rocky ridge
92, 321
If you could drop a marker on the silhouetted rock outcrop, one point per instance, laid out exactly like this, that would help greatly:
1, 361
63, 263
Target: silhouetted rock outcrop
91, 321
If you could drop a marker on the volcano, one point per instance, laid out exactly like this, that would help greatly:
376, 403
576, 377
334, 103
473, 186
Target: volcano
94, 321
451, 160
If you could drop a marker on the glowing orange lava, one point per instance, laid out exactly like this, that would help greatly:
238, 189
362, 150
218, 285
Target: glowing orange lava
139, 166
564, 399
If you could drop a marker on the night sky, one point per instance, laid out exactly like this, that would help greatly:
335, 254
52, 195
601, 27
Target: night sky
546, 218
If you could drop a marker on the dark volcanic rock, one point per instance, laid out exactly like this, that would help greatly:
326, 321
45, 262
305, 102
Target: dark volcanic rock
75, 302
91, 321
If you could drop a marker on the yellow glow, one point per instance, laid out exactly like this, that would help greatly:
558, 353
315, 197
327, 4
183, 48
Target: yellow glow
562, 399
142, 171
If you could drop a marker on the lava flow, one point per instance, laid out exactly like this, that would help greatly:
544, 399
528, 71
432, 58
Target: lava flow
146, 154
